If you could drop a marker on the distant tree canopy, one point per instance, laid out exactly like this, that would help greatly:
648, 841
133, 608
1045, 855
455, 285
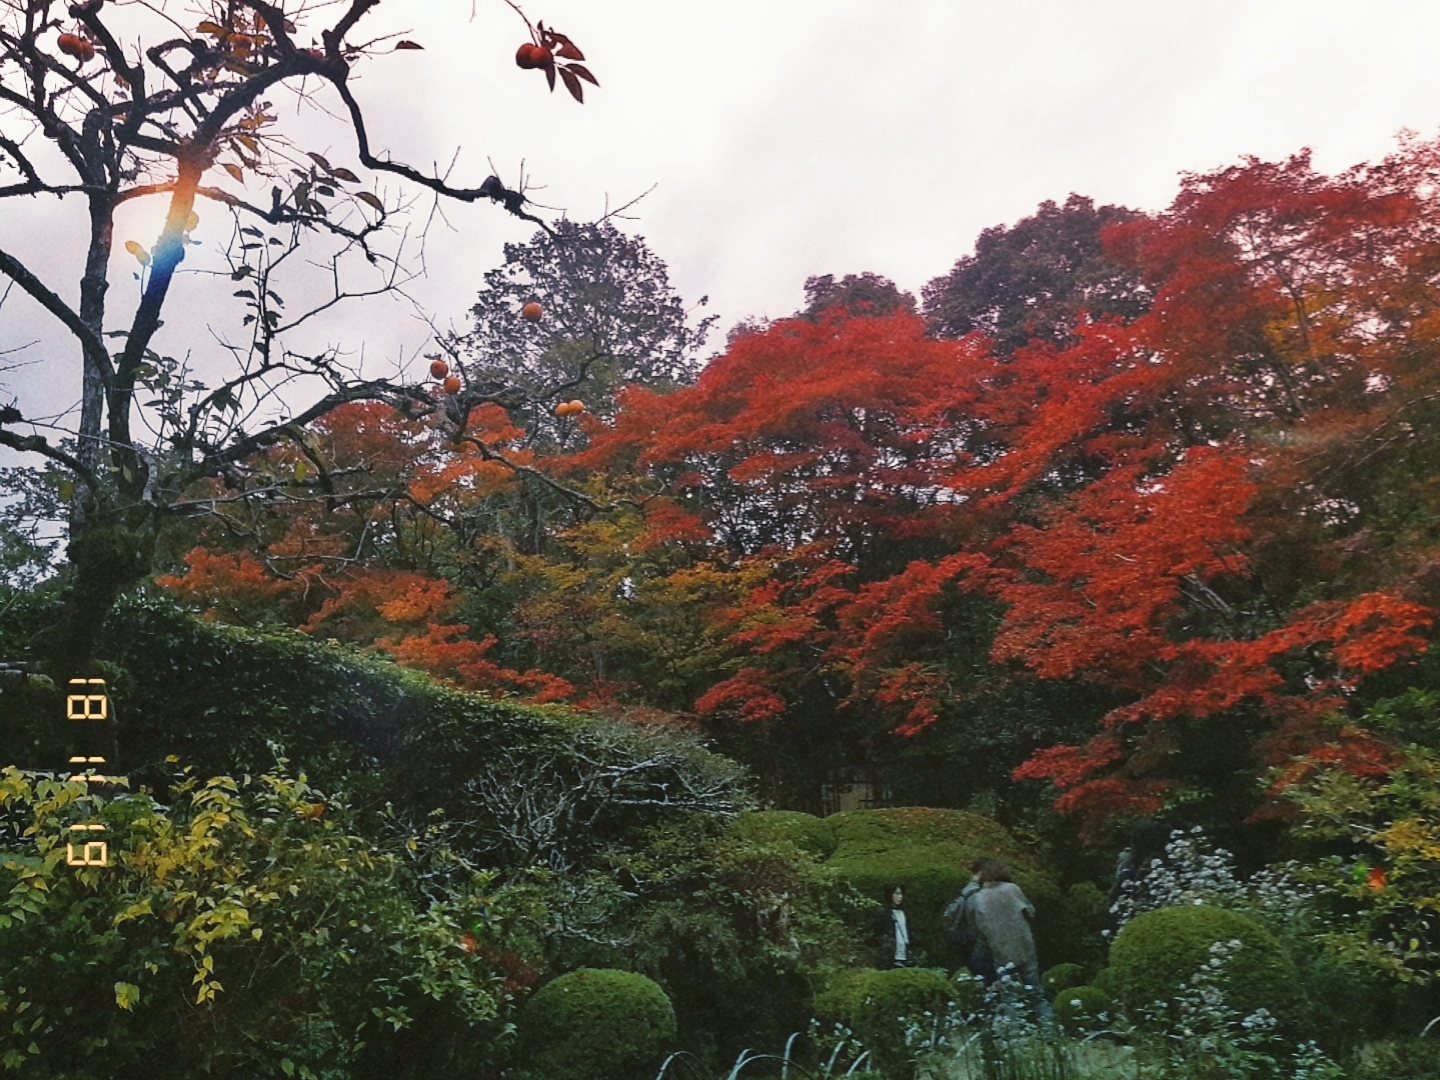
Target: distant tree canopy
855, 294
1032, 280
608, 318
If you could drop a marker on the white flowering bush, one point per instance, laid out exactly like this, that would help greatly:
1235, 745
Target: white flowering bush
1201, 1033
1192, 872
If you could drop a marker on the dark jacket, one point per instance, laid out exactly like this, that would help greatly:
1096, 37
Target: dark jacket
883, 937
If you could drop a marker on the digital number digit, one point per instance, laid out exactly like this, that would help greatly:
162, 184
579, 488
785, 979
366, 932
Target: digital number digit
86, 701
92, 852
88, 706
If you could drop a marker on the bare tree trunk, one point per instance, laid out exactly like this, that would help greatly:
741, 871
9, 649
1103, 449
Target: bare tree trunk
93, 287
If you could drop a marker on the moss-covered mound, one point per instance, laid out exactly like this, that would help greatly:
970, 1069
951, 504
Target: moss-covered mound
805, 831
595, 1024
889, 1002
1155, 954
929, 852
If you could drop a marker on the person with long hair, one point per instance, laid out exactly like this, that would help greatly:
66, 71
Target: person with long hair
892, 931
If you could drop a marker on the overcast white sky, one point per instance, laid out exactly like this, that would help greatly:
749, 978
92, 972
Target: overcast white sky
798, 137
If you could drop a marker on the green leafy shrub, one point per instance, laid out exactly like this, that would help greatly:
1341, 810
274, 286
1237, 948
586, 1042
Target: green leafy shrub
836, 1002
1080, 1009
969, 990
1158, 952
595, 1024
889, 1001
1062, 977
805, 831
930, 852
737, 929
1351, 1003
245, 929
1105, 980
1071, 931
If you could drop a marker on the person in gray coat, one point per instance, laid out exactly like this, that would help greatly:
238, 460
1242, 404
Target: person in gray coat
998, 914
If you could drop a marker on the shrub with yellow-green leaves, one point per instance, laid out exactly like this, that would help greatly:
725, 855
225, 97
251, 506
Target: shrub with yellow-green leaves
245, 930
1391, 885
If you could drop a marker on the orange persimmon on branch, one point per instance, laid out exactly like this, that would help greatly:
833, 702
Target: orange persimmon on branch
553, 53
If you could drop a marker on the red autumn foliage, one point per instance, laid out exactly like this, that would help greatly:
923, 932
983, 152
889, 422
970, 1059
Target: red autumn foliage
1103, 575
1218, 507
836, 429
748, 691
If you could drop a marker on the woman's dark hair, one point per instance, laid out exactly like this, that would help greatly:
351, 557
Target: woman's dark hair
990, 870
889, 898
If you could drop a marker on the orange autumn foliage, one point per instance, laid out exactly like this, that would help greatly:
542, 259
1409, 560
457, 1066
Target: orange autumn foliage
1130, 497
238, 587
443, 652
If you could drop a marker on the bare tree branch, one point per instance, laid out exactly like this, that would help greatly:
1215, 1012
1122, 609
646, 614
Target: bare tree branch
14, 269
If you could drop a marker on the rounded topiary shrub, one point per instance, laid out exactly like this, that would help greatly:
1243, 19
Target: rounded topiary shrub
805, 831
1155, 954
835, 1003
1079, 1009
1062, 977
595, 1024
929, 851
889, 1002
1105, 981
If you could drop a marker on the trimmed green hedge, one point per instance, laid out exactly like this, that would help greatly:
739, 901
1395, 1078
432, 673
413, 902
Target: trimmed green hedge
219, 697
929, 852
805, 831
1062, 977
1155, 954
595, 1024
836, 1003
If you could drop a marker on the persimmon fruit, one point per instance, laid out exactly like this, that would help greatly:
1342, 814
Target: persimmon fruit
532, 311
451, 384
439, 368
577, 406
528, 56
76, 46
